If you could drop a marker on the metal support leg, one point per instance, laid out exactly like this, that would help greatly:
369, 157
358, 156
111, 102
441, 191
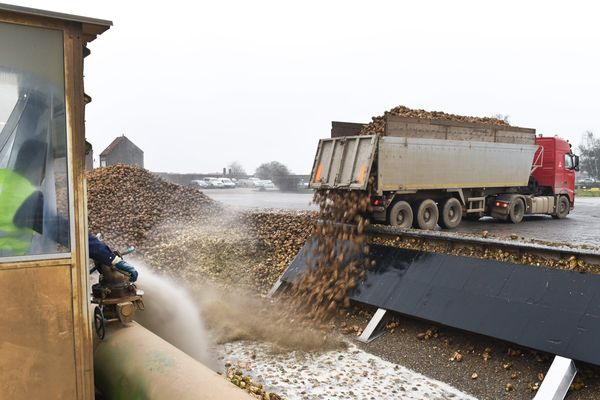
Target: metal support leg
375, 327
276, 288
558, 379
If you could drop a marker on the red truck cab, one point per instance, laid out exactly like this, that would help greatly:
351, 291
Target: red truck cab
557, 164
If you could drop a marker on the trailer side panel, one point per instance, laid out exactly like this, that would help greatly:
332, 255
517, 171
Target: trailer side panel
455, 130
421, 164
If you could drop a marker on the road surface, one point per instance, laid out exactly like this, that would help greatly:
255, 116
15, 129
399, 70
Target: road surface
254, 198
581, 227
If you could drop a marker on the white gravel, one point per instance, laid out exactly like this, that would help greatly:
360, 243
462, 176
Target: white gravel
348, 374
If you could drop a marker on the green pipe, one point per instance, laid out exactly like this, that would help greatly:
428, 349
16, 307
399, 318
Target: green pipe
132, 363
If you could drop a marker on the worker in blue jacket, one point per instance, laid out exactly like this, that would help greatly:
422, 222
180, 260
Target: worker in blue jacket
101, 253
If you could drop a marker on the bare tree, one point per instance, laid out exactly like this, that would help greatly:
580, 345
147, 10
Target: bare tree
279, 174
590, 155
271, 170
236, 169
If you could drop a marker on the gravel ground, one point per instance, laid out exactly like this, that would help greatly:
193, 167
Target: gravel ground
429, 349
348, 374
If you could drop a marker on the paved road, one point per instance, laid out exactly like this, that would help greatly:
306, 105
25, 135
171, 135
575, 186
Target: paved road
582, 226
253, 198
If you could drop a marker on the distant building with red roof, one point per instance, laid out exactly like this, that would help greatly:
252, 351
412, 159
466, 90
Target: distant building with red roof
122, 151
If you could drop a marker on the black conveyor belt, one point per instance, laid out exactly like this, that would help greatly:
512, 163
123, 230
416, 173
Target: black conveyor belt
545, 309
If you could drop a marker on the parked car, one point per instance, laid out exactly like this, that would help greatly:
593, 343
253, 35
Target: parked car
252, 182
214, 183
586, 181
302, 185
264, 184
227, 183
199, 184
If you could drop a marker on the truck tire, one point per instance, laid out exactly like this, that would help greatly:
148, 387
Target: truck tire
427, 215
401, 215
451, 213
562, 208
517, 211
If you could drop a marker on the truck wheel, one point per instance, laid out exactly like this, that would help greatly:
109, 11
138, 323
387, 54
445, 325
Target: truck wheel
427, 215
401, 215
517, 211
451, 213
562, 208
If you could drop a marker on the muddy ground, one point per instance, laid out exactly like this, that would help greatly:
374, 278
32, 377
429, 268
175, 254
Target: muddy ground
195, 240
473, 364
430, 349
247, 261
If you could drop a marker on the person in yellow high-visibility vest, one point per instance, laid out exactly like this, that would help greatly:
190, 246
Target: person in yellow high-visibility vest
21, 202
15, 190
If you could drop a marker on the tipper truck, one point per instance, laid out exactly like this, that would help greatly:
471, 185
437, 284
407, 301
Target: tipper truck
425, 172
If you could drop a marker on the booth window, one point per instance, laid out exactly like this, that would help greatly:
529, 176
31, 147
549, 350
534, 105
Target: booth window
34, 195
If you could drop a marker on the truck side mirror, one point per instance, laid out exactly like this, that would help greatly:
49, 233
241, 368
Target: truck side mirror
575, 162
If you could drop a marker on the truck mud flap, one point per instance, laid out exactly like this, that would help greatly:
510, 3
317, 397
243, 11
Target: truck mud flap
544, 309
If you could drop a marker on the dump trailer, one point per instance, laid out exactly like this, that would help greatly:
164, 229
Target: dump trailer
423, 172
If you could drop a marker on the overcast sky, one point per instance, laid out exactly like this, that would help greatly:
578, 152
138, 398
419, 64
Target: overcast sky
200, 84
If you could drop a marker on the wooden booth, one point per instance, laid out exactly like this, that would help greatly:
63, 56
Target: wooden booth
45, 324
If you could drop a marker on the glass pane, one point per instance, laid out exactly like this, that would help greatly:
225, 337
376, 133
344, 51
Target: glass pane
568, 161
34, 201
